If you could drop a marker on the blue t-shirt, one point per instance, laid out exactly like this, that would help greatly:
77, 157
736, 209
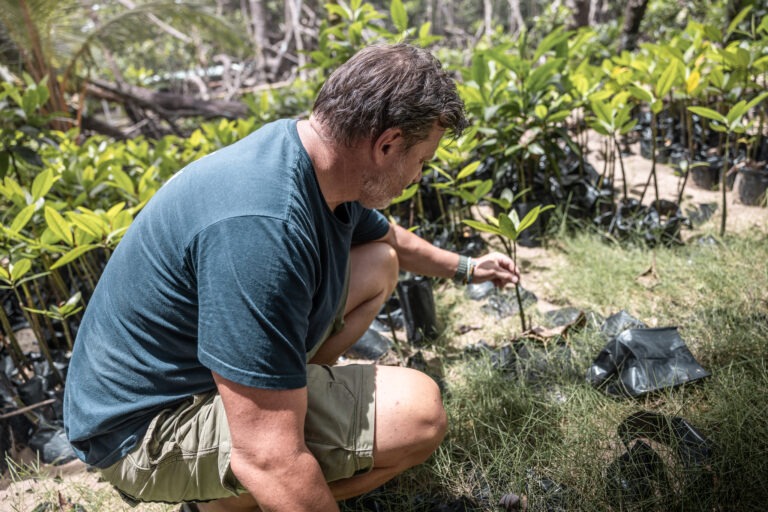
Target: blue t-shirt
236, 265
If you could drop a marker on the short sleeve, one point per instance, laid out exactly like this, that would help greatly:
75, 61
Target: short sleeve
255, 281
371, 225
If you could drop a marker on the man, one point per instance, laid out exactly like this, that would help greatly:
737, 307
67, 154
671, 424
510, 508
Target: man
201, 371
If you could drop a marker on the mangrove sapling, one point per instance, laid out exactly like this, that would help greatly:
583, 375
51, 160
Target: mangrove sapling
61, 313
654, 96
508, 227
729, 124
693, 86
612, 118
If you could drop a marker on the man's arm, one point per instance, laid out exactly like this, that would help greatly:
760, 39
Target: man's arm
421, 257
269, 456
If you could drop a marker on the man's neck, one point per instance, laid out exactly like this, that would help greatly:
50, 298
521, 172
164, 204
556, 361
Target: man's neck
337, 167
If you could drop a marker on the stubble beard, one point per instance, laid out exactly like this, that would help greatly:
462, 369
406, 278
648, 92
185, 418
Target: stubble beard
378, 189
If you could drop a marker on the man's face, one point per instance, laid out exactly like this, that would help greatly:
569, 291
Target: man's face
381, 186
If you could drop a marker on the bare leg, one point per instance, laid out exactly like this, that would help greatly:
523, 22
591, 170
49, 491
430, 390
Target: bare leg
373, 277
410, 424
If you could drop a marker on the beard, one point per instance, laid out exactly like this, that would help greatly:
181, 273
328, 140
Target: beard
380, 188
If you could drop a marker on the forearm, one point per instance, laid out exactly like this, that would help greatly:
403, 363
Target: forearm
421, 257
287, 484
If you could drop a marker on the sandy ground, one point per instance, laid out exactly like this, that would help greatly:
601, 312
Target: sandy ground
67, 484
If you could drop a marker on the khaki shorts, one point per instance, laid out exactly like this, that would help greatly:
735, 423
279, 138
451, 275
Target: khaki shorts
185, 453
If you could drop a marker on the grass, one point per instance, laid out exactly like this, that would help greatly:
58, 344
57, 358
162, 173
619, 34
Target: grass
35, 487
510, 431
540, 423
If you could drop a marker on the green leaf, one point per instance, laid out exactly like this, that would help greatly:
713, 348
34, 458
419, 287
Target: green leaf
408, 193
399, 15
20, 268
736, 20
484, 188
709, 114
602, 112
88, 222
641, 93
625, 129
23, 218
58, 225
480, 71
481, 226
667, 79
122, 181
12, 190
756, 101
540, 76
73, 255
556, 37
508, 225
43, 183
468, 170
736, 112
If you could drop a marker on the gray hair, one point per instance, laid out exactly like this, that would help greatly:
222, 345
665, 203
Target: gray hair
389, 86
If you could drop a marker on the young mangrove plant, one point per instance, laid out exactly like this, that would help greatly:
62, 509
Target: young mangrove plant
731, 123
508, 227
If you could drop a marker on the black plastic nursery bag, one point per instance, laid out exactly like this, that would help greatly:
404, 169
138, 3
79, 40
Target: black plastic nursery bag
639, 361
418, 304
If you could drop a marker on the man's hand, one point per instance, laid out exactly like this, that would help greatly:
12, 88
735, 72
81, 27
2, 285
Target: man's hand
495, 267
269, 456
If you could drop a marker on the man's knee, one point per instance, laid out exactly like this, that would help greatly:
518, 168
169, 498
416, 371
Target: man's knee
387, 264
410, 419
433, 420
377, 259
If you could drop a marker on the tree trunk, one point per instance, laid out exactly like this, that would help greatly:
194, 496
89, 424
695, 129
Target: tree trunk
633, 17
516, 22
258, 26
147, 107
580, 10
488, 19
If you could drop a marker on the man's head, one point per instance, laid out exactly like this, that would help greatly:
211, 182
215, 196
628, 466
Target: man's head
389, 86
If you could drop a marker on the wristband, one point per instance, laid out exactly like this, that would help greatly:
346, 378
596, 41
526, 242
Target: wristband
465, 270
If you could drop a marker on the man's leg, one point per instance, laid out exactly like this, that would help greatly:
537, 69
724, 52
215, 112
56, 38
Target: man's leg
410, 424
372, 278
410, 420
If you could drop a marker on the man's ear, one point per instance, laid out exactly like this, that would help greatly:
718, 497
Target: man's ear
387, 144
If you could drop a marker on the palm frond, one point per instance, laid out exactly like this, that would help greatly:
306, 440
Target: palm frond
135, 25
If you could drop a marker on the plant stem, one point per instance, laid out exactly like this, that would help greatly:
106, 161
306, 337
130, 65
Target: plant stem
723, 180
689, 157
517, 290
41, 341
617, 149
17, 355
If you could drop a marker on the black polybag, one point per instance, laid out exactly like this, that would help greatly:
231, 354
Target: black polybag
371, 345
418, 304
642, 476
640, 361
51, 443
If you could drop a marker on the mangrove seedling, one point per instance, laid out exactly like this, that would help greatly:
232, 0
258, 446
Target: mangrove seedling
508, 227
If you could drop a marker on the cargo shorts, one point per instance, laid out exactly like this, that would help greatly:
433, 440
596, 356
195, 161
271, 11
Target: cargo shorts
185, 453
